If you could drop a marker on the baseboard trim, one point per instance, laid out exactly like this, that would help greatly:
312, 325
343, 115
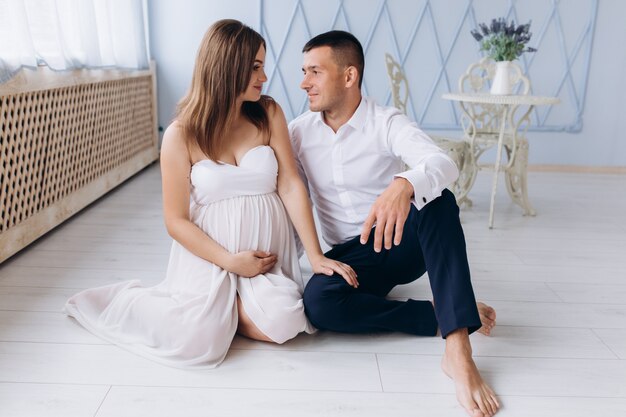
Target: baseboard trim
580, 169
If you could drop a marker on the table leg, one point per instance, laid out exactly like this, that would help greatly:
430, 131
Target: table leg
516, 180
496, 171
467, 176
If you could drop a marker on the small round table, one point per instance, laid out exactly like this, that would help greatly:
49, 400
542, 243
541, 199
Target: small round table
506, 104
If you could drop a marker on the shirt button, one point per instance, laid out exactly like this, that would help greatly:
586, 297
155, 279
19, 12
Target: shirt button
424, 199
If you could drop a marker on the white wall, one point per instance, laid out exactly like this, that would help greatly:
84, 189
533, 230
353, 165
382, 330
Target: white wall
176, 29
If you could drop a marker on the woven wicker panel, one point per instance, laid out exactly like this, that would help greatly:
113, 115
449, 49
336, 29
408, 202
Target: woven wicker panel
53, 142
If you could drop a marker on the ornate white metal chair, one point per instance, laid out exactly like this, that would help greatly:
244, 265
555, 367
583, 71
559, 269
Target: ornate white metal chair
458, 150
482, 123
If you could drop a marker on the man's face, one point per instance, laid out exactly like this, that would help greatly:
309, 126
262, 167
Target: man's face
323, 80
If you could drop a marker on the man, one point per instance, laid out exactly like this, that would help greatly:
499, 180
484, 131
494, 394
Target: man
390, 226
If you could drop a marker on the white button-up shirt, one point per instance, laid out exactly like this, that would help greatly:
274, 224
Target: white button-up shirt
345, 172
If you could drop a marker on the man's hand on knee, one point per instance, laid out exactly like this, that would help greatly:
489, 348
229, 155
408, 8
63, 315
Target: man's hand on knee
389, 213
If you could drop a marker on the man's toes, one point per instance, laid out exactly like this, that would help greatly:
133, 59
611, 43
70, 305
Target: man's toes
475, 413
486, 330
487, 323
471, 407
487, 403
486, 310
485, 408
493, 408
495, 405
488, 318
495, 400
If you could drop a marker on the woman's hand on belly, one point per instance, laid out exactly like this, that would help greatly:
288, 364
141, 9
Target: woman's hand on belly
249, 264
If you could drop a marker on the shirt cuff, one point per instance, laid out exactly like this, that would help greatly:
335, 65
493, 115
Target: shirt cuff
423, 192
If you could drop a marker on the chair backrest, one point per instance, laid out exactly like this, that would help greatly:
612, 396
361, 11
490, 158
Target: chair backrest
400, 93
485, 118
399, 83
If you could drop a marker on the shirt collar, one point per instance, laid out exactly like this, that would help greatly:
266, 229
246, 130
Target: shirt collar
357, 121
319, 118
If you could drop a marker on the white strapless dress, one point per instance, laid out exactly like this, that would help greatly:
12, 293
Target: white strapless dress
190, 319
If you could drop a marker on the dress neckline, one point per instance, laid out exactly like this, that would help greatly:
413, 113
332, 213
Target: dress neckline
243, 157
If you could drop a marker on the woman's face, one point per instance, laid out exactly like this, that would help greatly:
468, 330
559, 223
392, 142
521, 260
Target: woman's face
253, 92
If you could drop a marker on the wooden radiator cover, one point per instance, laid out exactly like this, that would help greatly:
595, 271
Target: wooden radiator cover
66, 139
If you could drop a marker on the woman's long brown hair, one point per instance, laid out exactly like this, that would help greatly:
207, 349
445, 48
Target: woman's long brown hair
222, 72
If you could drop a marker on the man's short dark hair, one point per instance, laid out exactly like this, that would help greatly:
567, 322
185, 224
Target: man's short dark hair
347, 49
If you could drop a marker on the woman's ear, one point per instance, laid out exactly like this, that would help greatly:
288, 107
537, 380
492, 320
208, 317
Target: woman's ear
352, 76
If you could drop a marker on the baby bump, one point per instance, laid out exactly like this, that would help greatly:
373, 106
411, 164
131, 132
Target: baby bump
257, 222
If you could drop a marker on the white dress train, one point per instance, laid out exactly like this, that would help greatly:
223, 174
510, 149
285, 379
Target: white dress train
190, 319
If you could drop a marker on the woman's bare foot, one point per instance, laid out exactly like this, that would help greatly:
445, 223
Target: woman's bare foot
474, 395
487, 318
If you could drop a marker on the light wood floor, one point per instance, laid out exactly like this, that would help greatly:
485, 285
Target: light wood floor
558, 282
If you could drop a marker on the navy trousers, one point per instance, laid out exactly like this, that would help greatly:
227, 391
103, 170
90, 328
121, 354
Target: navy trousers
432, 241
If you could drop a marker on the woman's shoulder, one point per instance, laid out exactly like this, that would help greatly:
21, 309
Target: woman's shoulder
175, 137
268, 104
273, 109
176, 132
175, 128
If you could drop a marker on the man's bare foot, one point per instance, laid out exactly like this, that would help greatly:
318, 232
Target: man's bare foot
474, 395
487, 318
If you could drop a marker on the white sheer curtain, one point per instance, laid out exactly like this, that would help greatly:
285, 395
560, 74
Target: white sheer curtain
68, 34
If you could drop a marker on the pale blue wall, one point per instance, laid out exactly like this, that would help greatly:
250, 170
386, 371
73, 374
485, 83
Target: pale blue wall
177, 27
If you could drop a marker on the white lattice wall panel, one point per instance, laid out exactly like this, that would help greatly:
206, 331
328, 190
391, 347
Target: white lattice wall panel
431, 40
66, 141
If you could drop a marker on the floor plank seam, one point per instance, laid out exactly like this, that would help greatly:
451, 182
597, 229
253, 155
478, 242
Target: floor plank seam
380, 376
554, 292
102, 402
605, 344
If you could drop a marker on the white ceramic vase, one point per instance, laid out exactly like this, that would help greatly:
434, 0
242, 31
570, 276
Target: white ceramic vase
501, 84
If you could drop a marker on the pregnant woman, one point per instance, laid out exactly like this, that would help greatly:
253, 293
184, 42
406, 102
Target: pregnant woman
229, 180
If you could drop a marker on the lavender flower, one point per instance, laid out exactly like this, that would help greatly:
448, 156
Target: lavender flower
502, 40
